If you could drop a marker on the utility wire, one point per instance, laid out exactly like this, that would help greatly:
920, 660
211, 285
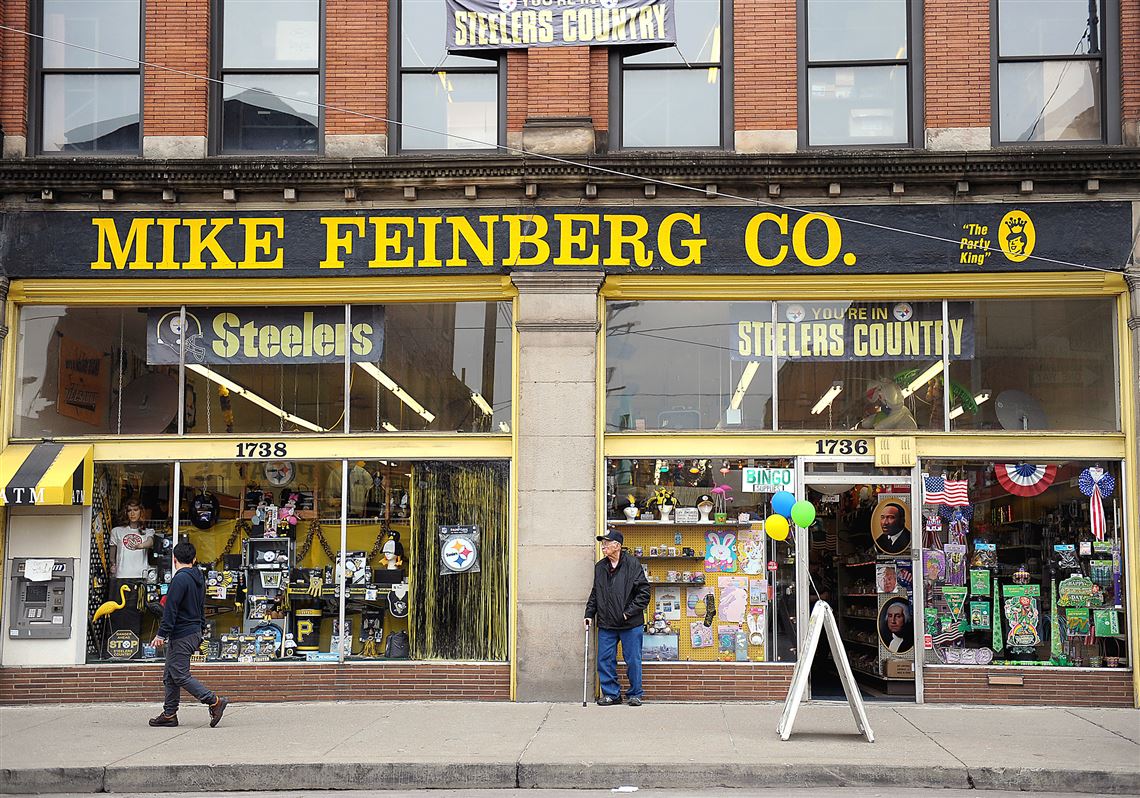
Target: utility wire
541, 156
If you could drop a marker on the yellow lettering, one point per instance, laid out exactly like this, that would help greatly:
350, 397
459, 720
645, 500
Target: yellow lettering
200, 244
692, 245
109, 239
362, 339
430, 224
226, 343
484, 251
619, 238
263, 242
569, 239
536, 239
268, 341
752, 238
799, 239
291, 340
389, 240
168, 227
546, 26
956, 326
335, 241
744, 338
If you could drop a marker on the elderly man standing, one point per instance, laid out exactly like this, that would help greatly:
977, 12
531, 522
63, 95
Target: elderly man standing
618, 601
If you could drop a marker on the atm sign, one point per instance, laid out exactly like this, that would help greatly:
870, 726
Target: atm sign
768, 480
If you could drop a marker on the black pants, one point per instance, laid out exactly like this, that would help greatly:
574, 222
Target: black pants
176, 675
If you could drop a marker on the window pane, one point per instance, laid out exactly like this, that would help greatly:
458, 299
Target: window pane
130, 550
263, 34
1049, 27
250, 369
75, 365
679, 365
852, 30
671, 108
423, 31
91, 113
1050, 101
110, 26
857, 105
1018, 546
860, 365
436, 358
698, 36
674, 558
457, 104
278, 121
1038, 364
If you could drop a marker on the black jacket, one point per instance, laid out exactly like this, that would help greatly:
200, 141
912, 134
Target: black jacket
184, 613
619, 600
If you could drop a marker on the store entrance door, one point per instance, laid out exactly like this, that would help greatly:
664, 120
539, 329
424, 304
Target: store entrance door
860, 556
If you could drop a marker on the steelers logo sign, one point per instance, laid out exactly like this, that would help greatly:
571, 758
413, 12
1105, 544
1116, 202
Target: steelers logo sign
459, 554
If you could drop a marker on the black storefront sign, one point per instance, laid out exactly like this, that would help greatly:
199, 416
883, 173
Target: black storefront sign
864, 239
505, 24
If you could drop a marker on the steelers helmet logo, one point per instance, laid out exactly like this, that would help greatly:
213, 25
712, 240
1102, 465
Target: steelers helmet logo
459, 554
795, 313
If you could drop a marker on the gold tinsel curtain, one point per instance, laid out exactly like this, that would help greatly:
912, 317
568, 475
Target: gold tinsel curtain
459, 616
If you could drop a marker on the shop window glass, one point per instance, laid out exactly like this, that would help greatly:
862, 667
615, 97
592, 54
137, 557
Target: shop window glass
86, 371
260, 370
270, 68
442, 367
453, 98
1029, 568
752, 614
671, 96
90, 100
864, 365
1041, 364
1050, 70
131, 542
681, 365
858, 72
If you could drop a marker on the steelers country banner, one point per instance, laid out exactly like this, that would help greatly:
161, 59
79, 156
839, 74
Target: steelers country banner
811, 331
501, 24
228, 336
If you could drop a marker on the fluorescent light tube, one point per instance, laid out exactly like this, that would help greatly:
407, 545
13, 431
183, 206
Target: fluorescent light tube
981, 397
742, 386
478, 399
923, 378
250, 396
827, 398
388, 427
400, 393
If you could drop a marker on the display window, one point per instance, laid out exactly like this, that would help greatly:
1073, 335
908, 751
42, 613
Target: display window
420, 571
722, 590
1023, 563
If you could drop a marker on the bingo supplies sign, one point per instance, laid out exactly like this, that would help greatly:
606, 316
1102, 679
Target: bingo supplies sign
768, 480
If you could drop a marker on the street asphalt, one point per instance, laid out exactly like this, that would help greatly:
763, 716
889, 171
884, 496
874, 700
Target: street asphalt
87, 748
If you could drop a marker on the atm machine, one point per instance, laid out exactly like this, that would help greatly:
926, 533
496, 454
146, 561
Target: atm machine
40, 598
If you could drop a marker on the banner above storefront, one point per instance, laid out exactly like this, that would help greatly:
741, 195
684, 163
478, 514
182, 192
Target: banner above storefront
830, 331
863, 239
230, 336
501, 24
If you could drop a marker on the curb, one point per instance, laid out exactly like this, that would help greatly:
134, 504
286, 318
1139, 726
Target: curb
561, 775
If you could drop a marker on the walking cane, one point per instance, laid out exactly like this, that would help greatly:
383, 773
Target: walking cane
586, 666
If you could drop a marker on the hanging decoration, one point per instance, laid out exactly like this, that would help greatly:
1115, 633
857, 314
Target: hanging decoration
1054, 627
1025, 479
1098, 485
995, 618
951, 492
958, 522
458, 550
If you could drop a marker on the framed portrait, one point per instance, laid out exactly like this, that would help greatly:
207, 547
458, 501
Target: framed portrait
890, 525
896, 625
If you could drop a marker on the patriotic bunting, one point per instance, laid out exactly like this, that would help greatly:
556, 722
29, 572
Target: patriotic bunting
1025, 479
1097, 485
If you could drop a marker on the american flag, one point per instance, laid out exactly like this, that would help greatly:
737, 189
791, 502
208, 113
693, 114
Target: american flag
952, 492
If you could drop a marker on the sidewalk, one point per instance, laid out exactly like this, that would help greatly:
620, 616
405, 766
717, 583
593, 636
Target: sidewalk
415, 745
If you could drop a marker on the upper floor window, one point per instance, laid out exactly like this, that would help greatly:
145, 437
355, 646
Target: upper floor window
674, 96
1050, 70
858, 72
446, 102
271, 76
88, 82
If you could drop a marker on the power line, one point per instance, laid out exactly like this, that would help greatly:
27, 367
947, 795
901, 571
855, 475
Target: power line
541, 156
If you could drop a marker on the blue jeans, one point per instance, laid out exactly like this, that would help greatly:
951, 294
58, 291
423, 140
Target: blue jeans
607, 660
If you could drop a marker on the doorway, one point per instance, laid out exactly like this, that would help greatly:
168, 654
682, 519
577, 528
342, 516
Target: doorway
859, 554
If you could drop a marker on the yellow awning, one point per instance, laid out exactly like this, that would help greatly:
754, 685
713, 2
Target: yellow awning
46, 473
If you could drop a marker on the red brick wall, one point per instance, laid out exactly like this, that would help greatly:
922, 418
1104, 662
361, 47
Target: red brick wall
714, 682
13, 69
764, 61
599, 87
957, 54
1130, 62
517, 100
356, 65
1053, 687
177, 36
286, 682
559, 76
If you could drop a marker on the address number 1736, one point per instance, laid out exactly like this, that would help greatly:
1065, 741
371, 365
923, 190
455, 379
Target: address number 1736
842, 446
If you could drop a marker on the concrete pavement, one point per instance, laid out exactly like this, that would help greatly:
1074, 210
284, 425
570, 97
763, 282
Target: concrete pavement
421, 745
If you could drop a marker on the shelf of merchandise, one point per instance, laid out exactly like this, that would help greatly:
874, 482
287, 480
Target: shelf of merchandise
669, 557
682, 523
689, 584
859, 564
860, 643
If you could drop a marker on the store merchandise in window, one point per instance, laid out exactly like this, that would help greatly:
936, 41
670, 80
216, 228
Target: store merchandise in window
722, 590
1023, 563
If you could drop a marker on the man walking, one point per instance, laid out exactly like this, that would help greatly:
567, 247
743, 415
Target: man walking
181, 631
618, 602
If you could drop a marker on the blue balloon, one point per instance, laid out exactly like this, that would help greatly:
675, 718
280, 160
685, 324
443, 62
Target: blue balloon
782, 503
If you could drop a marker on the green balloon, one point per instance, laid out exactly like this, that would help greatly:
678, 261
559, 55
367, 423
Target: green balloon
803, 513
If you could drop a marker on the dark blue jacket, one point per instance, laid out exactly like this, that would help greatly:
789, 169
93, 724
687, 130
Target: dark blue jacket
185, 605
620, 595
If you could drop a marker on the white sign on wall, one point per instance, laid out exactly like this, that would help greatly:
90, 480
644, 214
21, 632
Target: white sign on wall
768, 480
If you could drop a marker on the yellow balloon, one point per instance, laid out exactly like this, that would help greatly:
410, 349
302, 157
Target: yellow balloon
777, 527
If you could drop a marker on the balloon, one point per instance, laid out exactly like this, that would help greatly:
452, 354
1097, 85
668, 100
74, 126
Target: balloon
803, 513
782, 503
777, 527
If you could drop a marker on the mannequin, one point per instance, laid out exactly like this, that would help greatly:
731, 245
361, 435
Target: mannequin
393, 552
130, 543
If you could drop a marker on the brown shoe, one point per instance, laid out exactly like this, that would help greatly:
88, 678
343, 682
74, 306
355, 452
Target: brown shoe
165, 720
216, 710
